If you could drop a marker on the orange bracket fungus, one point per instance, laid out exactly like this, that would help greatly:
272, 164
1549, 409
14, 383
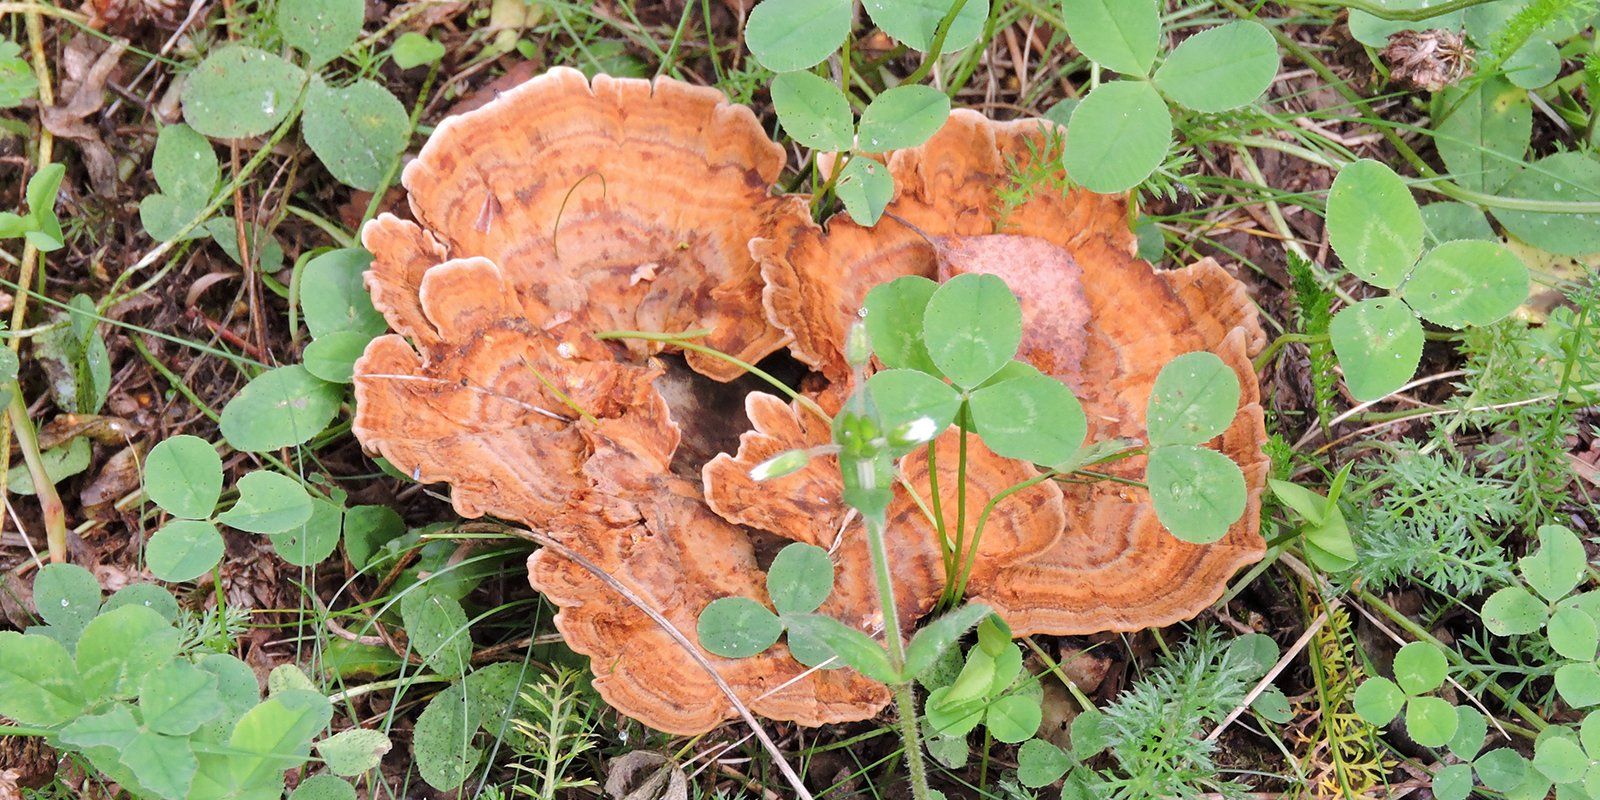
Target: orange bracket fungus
567, 207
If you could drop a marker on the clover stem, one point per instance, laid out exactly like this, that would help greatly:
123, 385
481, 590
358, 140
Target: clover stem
983, 518
945, 549
904, 698
961, 498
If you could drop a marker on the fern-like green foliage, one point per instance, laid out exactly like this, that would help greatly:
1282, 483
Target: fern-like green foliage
1342, 756
1314, 312
1027, 177
1533, 17
1156, 730
553, 731
1522, 390
1429, 519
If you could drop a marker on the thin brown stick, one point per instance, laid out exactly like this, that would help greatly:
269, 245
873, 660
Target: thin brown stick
638, 602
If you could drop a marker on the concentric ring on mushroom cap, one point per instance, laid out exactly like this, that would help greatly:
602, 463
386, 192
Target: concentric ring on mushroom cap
1114, 567
493, 384
621, 204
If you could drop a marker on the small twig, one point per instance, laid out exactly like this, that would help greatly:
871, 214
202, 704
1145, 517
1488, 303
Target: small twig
1261, 686
666, 625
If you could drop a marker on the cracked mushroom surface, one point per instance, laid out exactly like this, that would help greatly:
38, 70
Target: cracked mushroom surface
566, 207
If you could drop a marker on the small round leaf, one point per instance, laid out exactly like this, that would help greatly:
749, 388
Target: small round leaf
1034, 418
183, 475
333, 357
1119, 134
1378, 700
66, 595
1501, 769
1467, 283
800, 578
312, 541
1561, 759
183, 550
1040, 763
1379, 344
1220, 69
240, 91
357, 131
1373, 223
1573, 634
268, 503
1430, 721
1512, 611
972, 327
906, 397
1571, 177
1471, 731
1013, 718
322, 29
738, 627
1419, 667
280, 408
1197, 493
813, 111
333, 294
1453, 782
894, 322
1195, 398
916, 22
1578, 684
865, 187
1120, 35
904, 116
790, 35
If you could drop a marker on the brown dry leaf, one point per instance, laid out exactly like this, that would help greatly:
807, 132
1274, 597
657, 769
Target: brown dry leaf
83, 90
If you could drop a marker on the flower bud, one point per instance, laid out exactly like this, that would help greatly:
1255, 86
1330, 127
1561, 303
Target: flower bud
787, 462
857, 347
916, 432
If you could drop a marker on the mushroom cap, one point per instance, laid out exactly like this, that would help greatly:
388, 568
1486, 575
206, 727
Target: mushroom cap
1093, 315
617, 204
565, 207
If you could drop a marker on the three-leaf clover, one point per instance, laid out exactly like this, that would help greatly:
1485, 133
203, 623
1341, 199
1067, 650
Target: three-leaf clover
1571, 762
1376, 228
1120, 133
1198, 493
1419, 668
183, 475
1553, 571
950, 349
799, 580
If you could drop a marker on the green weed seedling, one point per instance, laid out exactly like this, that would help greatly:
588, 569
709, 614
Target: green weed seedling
356, 128
1121, 131
17, 81
39, 226
163, 716
1377, 230
1327, 535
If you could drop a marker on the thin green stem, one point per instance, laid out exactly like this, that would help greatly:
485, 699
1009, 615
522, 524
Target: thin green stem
904, 699
1395, 14
961, 507
983, 519
1279, 343
938, 515
937, 45
50, 507
679, 340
